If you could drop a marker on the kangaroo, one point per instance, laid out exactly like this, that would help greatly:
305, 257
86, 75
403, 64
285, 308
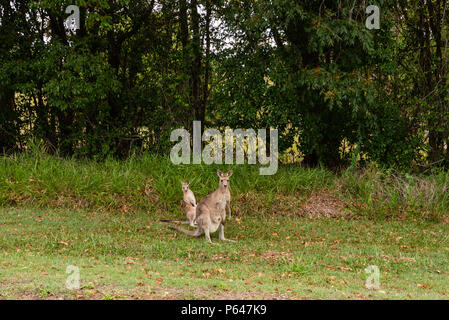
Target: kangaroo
211, 212
188, 204
189, 197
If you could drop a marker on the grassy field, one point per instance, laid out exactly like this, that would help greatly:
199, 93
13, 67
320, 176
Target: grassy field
301, 234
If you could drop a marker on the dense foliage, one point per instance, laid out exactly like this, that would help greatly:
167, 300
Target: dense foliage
135, 70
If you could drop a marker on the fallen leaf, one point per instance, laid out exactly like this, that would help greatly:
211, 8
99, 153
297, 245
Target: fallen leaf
407, 259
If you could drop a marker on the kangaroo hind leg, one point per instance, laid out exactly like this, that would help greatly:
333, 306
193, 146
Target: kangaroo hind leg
221, 235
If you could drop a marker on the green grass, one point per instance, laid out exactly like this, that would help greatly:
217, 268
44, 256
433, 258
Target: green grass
103, 218
135, 256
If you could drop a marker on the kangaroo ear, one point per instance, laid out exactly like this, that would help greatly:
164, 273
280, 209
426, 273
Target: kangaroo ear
229, 173
181, 181
188, 182
220, 174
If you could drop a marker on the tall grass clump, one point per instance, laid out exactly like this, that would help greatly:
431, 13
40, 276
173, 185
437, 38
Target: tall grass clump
387, 193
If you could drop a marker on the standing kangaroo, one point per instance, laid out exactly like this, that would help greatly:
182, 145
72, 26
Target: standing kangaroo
211, 211
189, 203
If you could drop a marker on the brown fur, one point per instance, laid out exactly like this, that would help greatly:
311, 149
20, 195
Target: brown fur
211, 211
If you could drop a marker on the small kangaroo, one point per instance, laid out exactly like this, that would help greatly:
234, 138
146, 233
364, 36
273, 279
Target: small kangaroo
189, 203
211, 211
189, 197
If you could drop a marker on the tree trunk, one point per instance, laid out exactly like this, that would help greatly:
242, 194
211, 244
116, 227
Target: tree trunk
196, 63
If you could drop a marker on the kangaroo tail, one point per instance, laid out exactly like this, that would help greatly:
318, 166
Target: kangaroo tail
174, 221
193, 233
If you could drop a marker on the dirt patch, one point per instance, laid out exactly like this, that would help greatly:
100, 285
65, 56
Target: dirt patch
202, 293
150, 293
16, 289
324, 205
